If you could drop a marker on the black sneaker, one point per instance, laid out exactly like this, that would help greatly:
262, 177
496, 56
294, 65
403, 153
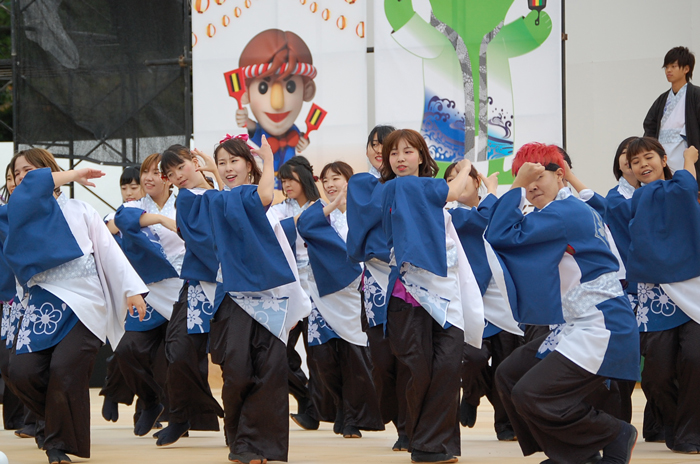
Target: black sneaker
57, 457
467, 414
350, 431
506, 435
305, 421
247, 458
28, 431
172, 433
338, 424
592, 460
619, 451
110, 410
686, 448
401, 444
425, 456
160, 430
147, 419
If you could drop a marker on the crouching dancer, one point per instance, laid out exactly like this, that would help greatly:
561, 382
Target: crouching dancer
574, 283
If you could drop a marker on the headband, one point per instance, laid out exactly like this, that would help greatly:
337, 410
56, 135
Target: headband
554, 167
300, 69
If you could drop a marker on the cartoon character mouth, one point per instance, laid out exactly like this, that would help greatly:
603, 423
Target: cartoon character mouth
277, 117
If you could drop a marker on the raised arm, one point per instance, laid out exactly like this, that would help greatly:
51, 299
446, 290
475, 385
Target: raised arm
340, 200
209, 166
266, 187
150, 219
690, 157
490, 182
81, 176
459, 183
572, 179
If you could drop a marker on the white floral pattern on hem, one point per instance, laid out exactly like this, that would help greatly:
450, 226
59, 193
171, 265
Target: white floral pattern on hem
319, 331
199, 309
652, 300
268, 311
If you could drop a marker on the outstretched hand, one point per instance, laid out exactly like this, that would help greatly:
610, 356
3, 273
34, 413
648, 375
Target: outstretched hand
83, 176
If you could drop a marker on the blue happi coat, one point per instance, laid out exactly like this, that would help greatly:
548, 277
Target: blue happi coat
559, 268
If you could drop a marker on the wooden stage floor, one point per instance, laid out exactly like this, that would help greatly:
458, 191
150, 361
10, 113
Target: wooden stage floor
115, 443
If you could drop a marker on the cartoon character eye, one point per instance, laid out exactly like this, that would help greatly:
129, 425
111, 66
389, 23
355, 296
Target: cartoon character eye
262, 88
291, 86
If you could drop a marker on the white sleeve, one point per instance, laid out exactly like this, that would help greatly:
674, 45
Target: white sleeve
118, 278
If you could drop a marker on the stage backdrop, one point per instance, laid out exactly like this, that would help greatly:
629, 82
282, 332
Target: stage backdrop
478, 78
301, 60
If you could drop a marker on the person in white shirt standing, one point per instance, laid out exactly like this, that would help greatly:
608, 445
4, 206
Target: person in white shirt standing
674, 118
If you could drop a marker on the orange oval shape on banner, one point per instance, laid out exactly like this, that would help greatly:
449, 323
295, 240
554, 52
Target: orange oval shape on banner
194, 39
303, 2
341, 22
326, 14
360, 30
237, 12
350, 1
247, 3
211, 30
219, 2
225, 21
313, 7
201, 5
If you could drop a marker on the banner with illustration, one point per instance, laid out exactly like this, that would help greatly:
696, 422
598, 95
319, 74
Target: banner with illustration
293, 70
478, 78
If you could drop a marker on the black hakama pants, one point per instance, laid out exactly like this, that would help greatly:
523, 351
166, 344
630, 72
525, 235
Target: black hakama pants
13, 411
137, 354
298, 382
188, 369
478, 375
671, 380
345, 371
255, 392
546, 403
433, 356
115, 388
390, 377
54, 384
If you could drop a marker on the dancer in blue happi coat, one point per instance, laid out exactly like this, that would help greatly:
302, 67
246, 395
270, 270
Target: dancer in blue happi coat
114, 389
150, 241
262, 300
337, 345
13, 411
556, 266
502, 335
299, 187
663, 257
367, 244
435, 303
79, 288
186, 337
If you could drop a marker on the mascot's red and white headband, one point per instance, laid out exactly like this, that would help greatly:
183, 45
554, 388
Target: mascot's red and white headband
300, 69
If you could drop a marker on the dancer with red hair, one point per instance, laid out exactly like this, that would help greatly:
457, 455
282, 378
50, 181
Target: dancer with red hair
543, 385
